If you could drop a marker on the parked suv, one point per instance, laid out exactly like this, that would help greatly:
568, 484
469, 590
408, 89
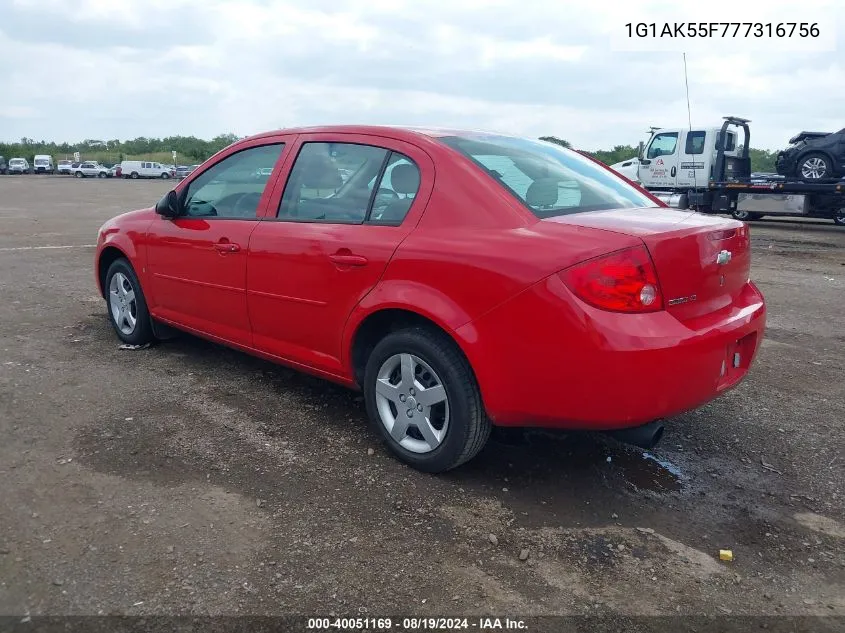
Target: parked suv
64, 166
18, 166
813, 156
90, 170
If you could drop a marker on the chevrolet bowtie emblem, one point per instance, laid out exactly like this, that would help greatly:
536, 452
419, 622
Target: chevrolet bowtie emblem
723, 258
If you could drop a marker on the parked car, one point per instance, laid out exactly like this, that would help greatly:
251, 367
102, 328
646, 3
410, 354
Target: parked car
3, 166
115, 171
145, 169
183, 171
43, 164
813, 156
451, 278
64, 166
90, 170
18, 166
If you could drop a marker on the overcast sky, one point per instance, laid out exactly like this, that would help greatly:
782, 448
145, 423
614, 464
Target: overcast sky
106, 69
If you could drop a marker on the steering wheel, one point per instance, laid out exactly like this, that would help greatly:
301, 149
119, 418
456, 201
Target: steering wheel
201, 208
253, 198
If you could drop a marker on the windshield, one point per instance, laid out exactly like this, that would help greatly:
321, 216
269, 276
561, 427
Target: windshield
548, 179
16, 161
41, 161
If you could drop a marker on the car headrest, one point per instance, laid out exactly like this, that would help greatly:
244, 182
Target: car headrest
542, 192
321, 173
405, 179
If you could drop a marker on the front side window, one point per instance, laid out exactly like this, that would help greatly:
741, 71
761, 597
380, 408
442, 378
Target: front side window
233, 187
332, 182
548, 179
695, 142
663, 145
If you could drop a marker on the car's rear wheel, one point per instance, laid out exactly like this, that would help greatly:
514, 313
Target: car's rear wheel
815, 167
126, 304
134, 175
423, 399
165, 176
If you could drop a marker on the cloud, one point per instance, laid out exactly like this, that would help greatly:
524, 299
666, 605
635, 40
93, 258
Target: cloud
97, 68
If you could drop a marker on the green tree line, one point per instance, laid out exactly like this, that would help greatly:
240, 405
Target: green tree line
190, 149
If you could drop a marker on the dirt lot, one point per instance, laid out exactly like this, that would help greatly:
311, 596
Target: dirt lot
191, 478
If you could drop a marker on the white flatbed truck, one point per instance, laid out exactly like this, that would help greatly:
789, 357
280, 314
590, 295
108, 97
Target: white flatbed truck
709, 170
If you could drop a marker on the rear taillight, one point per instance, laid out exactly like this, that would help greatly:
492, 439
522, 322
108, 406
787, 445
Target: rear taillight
625, 281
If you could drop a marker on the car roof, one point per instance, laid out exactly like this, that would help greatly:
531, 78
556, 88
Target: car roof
401, 132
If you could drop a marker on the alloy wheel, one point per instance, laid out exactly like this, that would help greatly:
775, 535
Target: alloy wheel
814, 168
124, 309
412, 403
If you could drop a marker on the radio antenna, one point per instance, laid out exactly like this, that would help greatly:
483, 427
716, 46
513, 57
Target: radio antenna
689, 118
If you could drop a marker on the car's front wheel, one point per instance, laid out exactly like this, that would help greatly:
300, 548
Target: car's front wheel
126, 304
423, 399
815, 167
79, 174
839, 217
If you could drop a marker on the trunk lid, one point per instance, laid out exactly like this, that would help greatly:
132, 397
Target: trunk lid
702, 261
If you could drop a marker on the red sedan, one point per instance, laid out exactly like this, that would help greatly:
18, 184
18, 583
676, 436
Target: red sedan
461, 280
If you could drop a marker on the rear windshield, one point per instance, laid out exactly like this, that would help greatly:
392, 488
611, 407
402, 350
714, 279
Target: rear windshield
548, 179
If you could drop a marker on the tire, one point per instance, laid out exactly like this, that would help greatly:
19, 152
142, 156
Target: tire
134, 175
839, 217
165, 176
102, 174
435, 360
79, 174
814, 167
745, 216
132, 326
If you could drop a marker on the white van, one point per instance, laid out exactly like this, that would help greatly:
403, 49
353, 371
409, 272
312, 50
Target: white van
43, 164
145, 169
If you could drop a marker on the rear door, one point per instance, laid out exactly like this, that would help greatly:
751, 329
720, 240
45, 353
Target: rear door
347, 203
198, 261
660, 166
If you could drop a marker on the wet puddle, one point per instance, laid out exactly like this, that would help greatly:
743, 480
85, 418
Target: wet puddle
581, 455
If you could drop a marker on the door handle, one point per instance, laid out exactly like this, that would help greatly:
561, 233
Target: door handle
227, 247
343, 259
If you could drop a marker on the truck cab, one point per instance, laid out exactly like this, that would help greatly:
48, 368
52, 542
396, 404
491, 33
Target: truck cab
675, 158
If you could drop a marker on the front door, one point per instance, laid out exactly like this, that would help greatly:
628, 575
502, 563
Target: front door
345, 209
660, 167
198, 260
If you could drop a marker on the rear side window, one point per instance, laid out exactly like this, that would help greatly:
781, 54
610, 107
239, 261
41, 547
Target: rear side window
548, 179
695, 142
730, 145
332, 182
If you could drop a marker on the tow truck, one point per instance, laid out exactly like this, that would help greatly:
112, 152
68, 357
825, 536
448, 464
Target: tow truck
709, 170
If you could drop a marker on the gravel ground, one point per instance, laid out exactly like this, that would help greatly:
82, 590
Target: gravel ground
191, 479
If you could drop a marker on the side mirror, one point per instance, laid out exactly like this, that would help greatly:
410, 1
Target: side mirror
169, 206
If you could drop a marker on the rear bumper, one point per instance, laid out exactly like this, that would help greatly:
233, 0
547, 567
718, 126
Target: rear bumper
580, 368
